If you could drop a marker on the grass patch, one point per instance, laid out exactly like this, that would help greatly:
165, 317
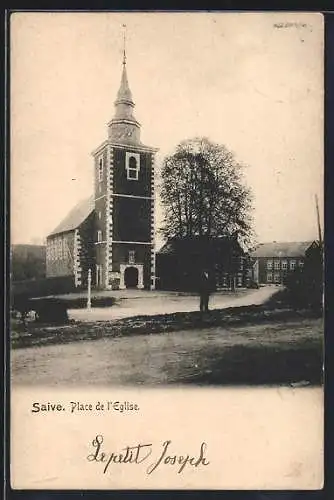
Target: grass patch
80, 302
38, 334
259, 364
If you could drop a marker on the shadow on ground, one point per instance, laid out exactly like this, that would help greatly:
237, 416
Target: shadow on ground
261, 366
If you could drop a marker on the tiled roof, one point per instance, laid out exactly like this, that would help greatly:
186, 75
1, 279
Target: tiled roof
195, 245
76, 216
277, 249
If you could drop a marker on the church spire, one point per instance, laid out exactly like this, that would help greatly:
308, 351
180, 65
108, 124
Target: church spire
124, 127
124, 45
124, 93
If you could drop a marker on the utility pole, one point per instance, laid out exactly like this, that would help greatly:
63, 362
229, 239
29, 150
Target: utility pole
318, 220
89, 282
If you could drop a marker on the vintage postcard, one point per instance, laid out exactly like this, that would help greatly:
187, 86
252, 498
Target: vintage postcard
166, 323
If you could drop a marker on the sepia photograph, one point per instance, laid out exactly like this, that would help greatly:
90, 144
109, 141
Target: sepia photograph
167, 235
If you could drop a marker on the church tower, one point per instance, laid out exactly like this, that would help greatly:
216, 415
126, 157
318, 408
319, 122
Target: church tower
124, 201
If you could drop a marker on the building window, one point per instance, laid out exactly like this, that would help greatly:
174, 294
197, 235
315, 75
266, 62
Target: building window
65, 248
56, 248
132, 165
284, 264
60, 248
48, 251
99, 275
131, 257
99, 214
277, 264
269, 277
301, 263
100, 169
132, 169
277, 278
99, 235
269, 264
292, 264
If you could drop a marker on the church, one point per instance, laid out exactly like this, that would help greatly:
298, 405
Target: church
112, 233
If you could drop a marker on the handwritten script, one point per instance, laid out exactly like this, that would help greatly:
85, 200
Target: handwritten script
145, 452
291, 25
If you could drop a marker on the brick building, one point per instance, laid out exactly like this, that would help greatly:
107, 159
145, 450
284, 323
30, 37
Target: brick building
118, 221
271, 262
70, 250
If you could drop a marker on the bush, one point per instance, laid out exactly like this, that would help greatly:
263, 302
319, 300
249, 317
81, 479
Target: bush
51, 311
44, 287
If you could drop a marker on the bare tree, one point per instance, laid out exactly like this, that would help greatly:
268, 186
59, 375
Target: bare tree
203, 193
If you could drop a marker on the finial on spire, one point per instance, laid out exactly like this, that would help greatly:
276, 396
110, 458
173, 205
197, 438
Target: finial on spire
124, 44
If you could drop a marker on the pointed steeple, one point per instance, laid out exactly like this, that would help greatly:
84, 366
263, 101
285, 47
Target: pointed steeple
124, 94
124, 127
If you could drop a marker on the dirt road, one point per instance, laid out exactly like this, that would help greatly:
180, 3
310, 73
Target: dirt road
163, 303
251, 354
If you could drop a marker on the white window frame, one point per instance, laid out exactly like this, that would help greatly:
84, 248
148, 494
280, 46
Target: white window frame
100, 169
301, 263
292, 265
269, 277
269, 264
99, 214
132, 257
284, 264
99, 235
277, 265
131, 170
276, 278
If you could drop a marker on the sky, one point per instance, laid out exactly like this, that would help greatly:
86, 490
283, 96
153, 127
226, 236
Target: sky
250, 81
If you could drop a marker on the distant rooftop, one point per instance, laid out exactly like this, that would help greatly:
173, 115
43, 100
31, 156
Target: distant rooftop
194, 244
76, 216
278, 249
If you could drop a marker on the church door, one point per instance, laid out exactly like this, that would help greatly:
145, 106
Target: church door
131, 277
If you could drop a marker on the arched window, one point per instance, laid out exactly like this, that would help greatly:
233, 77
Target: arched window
131, 256
100, 169
132, 163
133, 169
132, 166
